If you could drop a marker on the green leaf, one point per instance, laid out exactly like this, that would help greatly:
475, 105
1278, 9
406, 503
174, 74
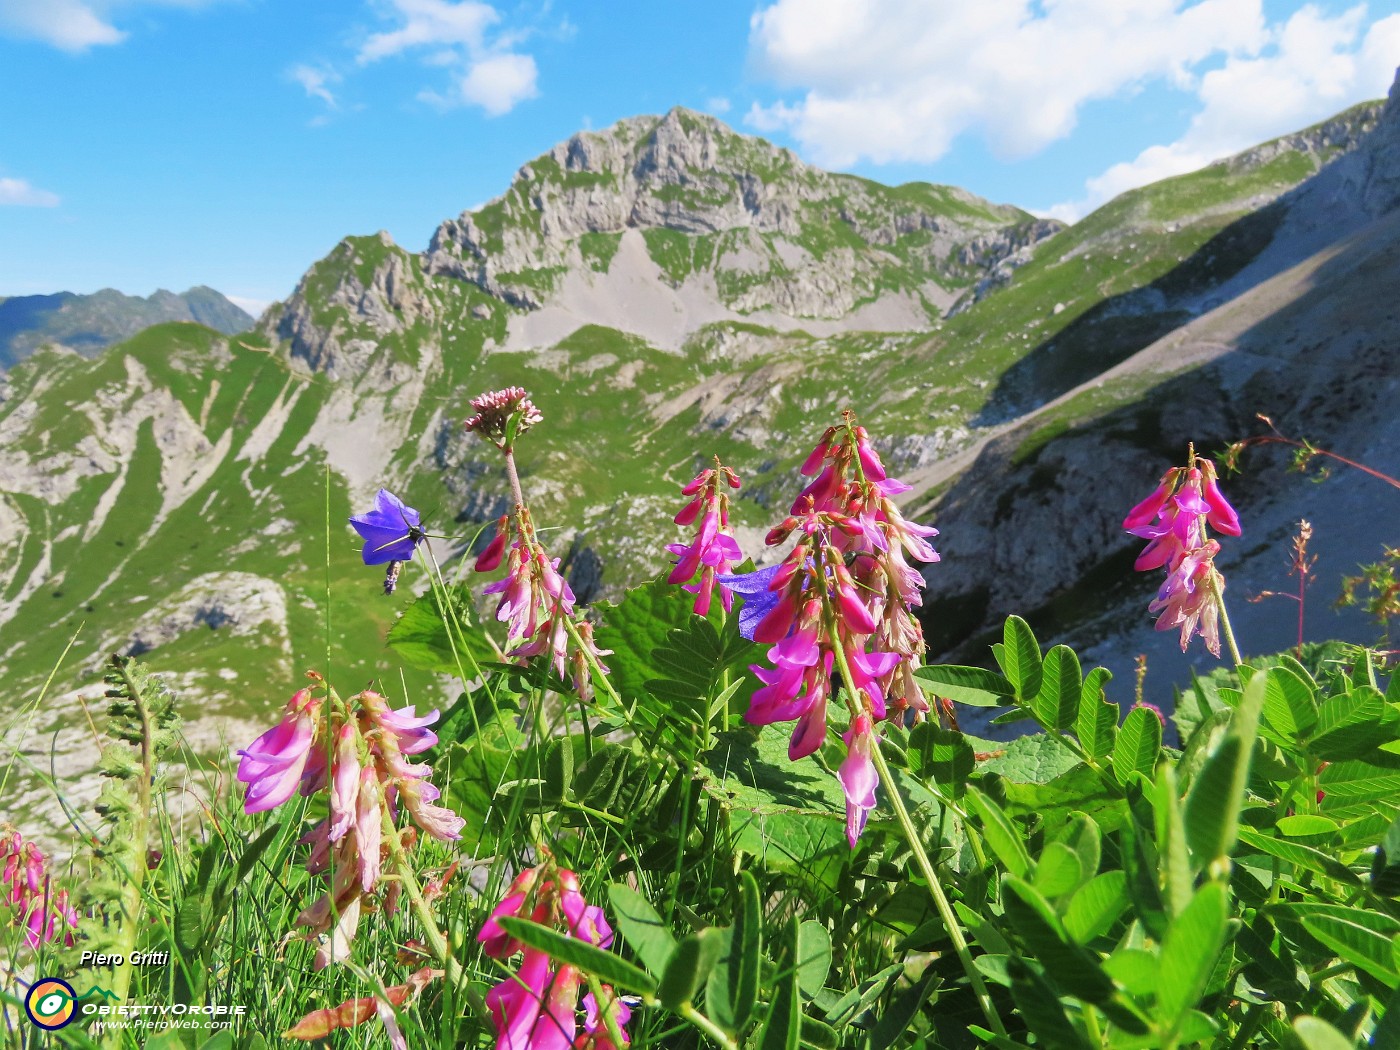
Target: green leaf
643, 929
974, 686
1298, 854
783, 1028
1300, 825
423, 639
1096, 906
941, 755
1058, 870
1041, 1009
1135, 969
1385, 864
1356, 781
1096, 723
1035, 759
1316, 1034
1020, 658
607, 967
220, 1041
1138, 744
813, 957
1189, 952
1004, 837
255, 850
1056, 704
1171, 843
189, 925
1217, 794
733, 985
1352, 726
1361, 937
1289, 706
690, 965
818, 1035
1081, 834
1070, 966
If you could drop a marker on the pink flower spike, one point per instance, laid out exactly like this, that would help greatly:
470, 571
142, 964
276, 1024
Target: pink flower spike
1221, 515
814, 459
1149, 508
489, 560
272, 764
858, 776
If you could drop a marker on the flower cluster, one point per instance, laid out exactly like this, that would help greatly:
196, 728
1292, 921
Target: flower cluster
27, 888
841, 603
498, 410
357, 751
714, 550
535, 1008
1174, 520
536, 601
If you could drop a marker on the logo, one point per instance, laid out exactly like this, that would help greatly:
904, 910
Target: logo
50, 1003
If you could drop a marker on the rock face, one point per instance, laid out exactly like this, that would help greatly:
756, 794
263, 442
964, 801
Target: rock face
738, 227
90, 323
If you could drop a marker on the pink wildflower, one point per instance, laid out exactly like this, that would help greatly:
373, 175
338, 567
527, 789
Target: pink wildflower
1175, 519
495, 409
714, 550
27, 888
842, 600
858, 777
273, 764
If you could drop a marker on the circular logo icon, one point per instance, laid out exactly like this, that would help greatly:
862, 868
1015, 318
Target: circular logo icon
49, 1003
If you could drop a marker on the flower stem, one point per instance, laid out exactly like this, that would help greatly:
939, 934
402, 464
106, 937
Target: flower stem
1225, 618
707, 1026
433, 936
516, 493
940, 899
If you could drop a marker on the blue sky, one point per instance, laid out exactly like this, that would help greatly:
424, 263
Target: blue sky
166, 143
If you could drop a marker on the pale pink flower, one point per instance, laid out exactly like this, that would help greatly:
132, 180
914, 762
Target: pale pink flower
858, 776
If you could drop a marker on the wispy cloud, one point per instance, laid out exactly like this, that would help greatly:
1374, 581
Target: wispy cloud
74, 25
486, 67
19, 192
1313, 66
315, 82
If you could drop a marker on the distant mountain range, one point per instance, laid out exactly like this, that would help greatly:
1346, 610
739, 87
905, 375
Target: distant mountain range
669, 289
91, 323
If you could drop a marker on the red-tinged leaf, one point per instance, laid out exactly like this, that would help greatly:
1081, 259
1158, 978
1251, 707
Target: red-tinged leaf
318, 1024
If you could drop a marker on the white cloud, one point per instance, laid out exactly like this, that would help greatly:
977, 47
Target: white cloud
718, 105
314, 82
1313, 66
67, 24
18, 192
486, 69
496, 83
74, 25
899, 80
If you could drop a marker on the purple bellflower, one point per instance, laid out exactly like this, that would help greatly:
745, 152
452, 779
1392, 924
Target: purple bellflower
391, 531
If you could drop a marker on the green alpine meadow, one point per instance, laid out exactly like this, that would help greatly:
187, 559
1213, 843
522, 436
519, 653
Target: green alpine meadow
706, 600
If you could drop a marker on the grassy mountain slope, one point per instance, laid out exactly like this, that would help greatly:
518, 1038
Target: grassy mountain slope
667, 290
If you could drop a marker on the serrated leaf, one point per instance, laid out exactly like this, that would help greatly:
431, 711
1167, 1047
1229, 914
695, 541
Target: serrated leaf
1056, 704
1138, 744
974, 686
607, 967
644, 930
1020, 657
